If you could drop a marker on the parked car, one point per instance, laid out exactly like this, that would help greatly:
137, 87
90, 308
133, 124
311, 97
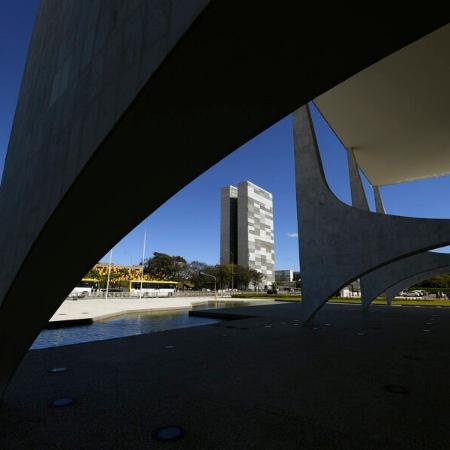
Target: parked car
420, 292
415, 293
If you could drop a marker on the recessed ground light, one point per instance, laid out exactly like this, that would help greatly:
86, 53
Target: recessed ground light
428, 323
326, 324
267, 326
426, 329
361, 333
168, 347
396, 389
170, 433
65, 401
57, 369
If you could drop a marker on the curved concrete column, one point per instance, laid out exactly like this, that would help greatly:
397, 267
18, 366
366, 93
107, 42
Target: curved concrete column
339, 243
394, 290
359, 199
375, 283
379, 280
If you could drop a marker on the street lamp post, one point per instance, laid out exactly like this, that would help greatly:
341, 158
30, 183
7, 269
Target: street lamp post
143, 262
109, 275
215, 282
232, 272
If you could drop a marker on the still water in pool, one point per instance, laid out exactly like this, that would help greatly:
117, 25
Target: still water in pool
127, 325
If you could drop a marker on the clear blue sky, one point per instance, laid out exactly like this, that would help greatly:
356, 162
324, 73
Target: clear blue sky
188, 224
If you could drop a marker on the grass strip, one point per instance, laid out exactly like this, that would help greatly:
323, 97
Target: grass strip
351, 300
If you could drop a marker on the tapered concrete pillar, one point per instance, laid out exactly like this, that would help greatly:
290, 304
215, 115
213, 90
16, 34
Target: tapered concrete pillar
339, 243
389, 299
358, 195
378, 200
359, 199
394, 290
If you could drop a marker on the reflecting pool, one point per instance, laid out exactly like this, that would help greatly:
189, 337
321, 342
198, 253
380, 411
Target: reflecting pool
128, 325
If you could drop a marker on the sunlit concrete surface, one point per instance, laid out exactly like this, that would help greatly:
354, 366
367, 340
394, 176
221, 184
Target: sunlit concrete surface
98, 309
351, 382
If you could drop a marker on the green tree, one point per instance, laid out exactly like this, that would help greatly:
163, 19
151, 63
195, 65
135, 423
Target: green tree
274, 287
242, 277
193, 274
165, 267
222, 272
226, 272
256, 278
439, 281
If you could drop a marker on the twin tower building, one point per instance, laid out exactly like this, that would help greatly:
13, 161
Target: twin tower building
246, 229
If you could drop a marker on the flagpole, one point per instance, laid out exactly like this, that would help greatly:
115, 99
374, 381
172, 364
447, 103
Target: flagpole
109, 275
142, 268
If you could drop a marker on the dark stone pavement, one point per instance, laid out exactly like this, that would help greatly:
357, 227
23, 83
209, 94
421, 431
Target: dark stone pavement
259, 383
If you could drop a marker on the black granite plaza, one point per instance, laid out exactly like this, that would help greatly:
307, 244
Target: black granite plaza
352, 381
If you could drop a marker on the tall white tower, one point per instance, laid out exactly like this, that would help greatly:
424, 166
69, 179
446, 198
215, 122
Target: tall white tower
247, 236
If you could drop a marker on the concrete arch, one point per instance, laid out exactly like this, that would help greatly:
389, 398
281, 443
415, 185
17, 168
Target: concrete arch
378, 281
381, 280
126, 88
341, 241
395, 289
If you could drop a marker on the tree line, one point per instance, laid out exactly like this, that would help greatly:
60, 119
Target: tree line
191, 274
439, 281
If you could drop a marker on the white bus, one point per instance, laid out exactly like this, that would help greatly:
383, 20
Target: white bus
152, 288
85, 287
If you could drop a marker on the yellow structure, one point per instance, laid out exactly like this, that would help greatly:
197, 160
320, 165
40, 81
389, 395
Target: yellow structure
118, 273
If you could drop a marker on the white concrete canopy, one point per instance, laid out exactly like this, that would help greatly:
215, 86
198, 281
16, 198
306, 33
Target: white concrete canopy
395, 114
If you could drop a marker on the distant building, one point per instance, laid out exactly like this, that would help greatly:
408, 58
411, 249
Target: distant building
284, 276
351, 290
286, 280
246, 235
